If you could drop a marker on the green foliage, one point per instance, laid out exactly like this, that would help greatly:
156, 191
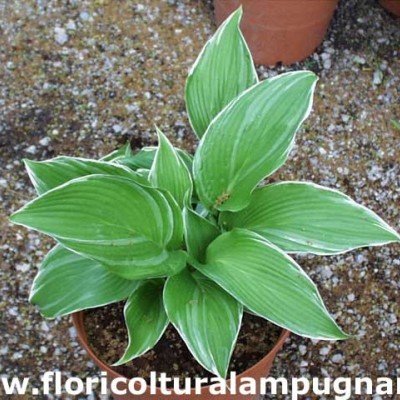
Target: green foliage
195, 241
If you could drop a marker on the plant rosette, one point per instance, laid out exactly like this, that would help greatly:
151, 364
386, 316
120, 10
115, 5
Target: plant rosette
196, 241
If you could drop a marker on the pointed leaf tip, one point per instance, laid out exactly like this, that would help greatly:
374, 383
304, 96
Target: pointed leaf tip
250, 139
125, 238
145, 319
207, 318
269, 283
307, 218
225, 55
169, 172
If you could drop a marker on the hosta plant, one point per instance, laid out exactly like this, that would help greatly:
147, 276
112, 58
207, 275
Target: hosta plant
197, 241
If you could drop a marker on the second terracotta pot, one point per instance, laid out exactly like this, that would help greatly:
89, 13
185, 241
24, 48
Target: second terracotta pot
259, 370
392, 6
280, 30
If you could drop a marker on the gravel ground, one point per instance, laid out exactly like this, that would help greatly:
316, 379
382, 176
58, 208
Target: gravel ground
82, 77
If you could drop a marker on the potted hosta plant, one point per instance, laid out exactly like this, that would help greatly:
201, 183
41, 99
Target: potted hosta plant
198, 241
281, 31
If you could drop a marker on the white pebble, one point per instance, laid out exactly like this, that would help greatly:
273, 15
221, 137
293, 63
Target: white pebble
324, 351
359, 60
392, 319
72, 332
117, 128
44, 327
303, 349
345, 118
327, 63
351, 297
22, 267
337, 358
84, 16
13, 311
326, 272
31, 149
44, 141
60, 35
378, 77
71, 25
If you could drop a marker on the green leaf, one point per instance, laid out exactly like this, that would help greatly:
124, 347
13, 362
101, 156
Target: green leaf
46, 175
207, 318
250, 139
269, 283
177, 216
145, 319
127, 227
67, 282
143, 159
199, 233
223, 70
124, 151
169, 172
304, 217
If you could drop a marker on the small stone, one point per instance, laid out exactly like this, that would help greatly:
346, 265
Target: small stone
44, 141
60, 35
392, 319
84, 16
360, 258
325, 56
378, 77
326, 272
351, 297
304, 364
44, 327
72, 332
324, 351
117, 128
359, 60
3, 183
337, 358
13, 311
327, 63
22, 267
303, 349
31, 149
71, 25
345, 118
322, 151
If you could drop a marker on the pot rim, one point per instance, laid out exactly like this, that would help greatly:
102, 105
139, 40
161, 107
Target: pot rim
77, 320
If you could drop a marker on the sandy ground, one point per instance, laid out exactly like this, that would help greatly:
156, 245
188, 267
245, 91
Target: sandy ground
82, 77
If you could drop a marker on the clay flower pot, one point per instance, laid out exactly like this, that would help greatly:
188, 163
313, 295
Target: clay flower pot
280, 31
392, 6
257, 371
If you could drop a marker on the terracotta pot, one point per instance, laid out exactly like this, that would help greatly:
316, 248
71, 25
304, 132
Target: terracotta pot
392, 6
259, 370
280, 30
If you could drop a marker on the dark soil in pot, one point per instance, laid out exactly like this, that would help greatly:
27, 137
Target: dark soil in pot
107, 335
